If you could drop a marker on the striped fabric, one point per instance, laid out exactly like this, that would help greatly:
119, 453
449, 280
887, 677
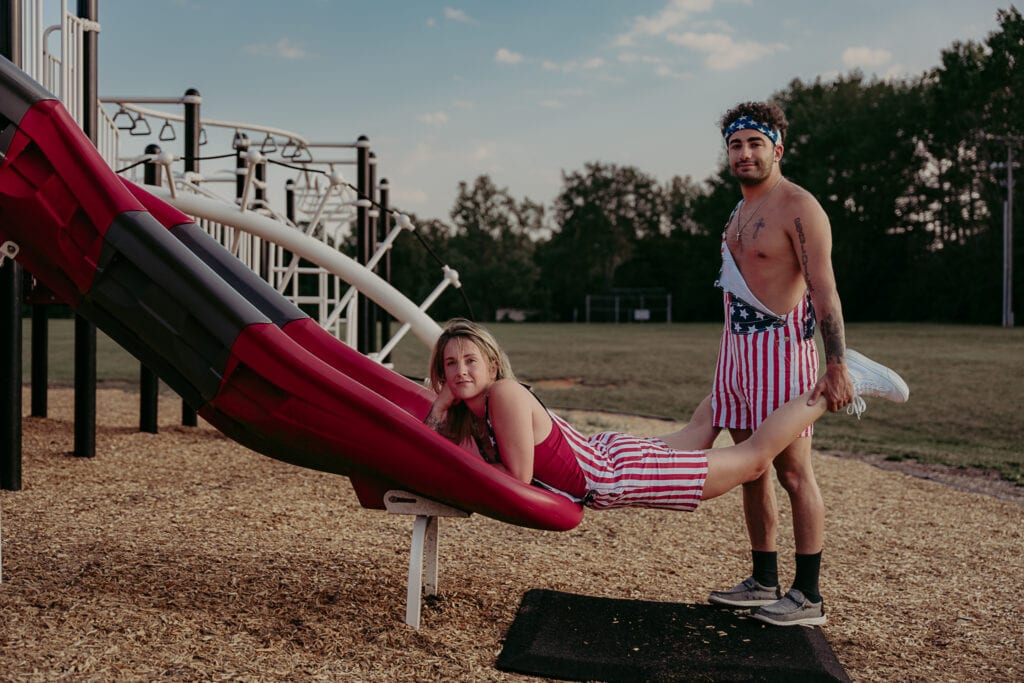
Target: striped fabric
628, 471
758, 372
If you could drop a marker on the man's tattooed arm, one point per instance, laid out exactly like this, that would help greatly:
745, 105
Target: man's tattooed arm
833, 335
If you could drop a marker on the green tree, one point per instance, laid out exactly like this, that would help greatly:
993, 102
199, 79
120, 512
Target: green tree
681, 257
492, 247
853, 144
601, 214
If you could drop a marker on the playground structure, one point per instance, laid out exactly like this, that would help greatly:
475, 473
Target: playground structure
188, 297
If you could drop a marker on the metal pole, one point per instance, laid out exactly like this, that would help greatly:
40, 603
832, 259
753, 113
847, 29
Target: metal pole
1008, 242
40, 357
289, 212
362, 234
241, 145
10, 310
371, 247
260, 197
10, 375
193, 130
149, 383
85, 331
289, 199
384, 221
10, 31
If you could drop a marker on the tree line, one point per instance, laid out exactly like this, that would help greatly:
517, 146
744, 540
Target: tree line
907, 170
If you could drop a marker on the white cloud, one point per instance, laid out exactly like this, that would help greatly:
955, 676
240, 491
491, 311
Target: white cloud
434, 118
633, 58
573, 65
452, 14
416, 157
866, 57
282, 48
552, 104
506, 56
431, 22
483, 151
666, 71
463, 104
672, 15
662, 67
722, 52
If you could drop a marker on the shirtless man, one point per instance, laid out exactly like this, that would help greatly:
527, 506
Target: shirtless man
777, 279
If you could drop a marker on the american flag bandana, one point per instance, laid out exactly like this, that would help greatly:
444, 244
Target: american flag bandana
749, 123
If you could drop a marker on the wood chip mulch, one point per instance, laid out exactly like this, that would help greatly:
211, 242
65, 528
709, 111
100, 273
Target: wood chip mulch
184, 556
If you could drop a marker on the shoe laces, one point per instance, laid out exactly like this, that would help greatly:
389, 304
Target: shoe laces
857, 406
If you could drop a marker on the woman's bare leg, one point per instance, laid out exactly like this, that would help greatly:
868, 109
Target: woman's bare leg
734, 465
698, 434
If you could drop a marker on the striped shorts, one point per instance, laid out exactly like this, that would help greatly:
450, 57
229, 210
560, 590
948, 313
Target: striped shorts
758, 371
622, 470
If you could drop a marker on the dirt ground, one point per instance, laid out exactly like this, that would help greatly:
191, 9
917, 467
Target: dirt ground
183, 556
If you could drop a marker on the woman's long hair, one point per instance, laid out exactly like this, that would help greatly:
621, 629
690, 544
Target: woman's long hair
459, 424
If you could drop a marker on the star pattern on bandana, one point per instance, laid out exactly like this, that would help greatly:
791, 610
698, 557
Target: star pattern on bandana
750, 123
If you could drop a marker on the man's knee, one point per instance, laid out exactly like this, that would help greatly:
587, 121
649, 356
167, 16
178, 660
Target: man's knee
794, 470
761, 485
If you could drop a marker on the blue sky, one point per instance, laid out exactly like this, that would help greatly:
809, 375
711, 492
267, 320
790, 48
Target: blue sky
521, 91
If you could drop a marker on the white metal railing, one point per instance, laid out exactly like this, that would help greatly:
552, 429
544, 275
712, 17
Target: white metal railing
60, 72
364, 279
32, 37
327, 203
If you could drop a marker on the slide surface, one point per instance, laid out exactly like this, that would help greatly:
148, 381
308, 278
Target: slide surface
250, 362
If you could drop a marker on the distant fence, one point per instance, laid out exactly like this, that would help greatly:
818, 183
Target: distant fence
629, 306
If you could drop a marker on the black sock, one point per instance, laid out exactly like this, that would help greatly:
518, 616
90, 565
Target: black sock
806, 580
766, 567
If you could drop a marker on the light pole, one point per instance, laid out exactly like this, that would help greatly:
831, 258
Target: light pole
1011, 142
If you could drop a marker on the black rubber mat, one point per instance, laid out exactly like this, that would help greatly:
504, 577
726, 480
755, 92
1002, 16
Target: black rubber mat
580, 638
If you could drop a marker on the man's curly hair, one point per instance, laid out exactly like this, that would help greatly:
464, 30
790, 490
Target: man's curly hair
763, 112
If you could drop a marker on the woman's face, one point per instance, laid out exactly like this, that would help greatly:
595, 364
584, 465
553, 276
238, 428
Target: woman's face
467, 371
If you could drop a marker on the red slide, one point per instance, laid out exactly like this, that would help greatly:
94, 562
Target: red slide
251, 363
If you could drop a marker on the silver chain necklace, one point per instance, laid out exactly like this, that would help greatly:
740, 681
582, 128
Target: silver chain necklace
743, 225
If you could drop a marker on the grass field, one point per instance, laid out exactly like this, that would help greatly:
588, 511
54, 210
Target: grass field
966, 393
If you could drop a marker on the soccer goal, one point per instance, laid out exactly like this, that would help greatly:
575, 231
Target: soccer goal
629, 305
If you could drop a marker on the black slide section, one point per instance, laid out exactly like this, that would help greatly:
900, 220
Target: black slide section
165, 307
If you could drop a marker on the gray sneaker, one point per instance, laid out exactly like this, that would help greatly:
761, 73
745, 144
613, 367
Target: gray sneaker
747, 593
792, 610
873, 379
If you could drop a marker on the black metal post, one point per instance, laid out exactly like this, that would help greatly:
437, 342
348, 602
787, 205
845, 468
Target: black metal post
10, 305
149, 383
384, 267
85, 388
371, 246
10, 375
40, 358
193, 130
289, 199
85, 331
260, 195
240, 143
362, 236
